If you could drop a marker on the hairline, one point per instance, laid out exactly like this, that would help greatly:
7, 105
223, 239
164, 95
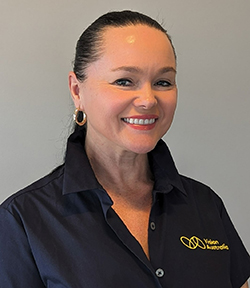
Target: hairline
100, 41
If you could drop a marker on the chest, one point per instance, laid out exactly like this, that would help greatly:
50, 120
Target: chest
137, 222
87, 249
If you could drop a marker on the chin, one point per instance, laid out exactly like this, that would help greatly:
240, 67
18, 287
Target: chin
142, 148
144, 143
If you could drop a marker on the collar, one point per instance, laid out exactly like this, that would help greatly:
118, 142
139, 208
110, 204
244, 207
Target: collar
164, 170
79, 176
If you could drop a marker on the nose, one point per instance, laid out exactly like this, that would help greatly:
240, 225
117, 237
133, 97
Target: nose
145, 98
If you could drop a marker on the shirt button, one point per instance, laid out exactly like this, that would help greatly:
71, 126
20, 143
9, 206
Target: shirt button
152, 226
159, 272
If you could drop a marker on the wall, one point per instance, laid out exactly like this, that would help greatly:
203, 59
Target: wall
210, 137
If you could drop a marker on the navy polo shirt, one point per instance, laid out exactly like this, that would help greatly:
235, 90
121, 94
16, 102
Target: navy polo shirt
61, 232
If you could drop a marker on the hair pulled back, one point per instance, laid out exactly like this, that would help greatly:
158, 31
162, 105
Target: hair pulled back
89, 45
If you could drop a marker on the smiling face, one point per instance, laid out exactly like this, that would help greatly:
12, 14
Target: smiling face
130, 92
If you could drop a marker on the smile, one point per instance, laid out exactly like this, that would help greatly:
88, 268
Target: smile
139, 121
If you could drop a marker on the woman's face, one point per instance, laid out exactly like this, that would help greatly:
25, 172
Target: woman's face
130, 92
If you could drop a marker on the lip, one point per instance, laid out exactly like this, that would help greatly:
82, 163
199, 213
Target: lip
141, 122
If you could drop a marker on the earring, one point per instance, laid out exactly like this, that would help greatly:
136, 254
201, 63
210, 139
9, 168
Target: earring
76, 116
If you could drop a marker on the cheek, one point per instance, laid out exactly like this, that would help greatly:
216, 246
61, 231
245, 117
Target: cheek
174, 104
113, 100
106, 104
170, 103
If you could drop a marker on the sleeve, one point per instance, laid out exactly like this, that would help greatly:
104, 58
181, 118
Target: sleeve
17, 265
239, 257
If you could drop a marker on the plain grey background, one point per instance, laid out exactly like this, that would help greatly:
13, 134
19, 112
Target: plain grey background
210, 136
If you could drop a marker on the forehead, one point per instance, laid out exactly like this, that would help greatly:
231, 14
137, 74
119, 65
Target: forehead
137, 42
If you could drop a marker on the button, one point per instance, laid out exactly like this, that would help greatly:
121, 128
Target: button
159, 272
152, 225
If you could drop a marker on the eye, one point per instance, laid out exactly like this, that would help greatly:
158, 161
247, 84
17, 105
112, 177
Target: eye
123, 82
163, 83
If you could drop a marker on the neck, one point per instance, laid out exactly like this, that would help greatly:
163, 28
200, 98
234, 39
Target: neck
118, 168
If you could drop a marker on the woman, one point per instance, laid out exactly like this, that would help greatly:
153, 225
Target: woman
117, 213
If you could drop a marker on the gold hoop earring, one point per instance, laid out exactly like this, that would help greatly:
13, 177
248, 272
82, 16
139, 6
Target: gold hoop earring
76, 117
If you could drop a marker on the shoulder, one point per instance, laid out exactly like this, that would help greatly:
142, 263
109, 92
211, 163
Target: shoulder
195, 186
48, 184
201, 193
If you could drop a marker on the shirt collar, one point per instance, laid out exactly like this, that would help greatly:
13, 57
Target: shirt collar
79, 176
164, 169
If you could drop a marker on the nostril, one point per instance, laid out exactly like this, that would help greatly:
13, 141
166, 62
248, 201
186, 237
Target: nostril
145, 102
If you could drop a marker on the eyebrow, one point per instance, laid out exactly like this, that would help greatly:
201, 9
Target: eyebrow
135, 69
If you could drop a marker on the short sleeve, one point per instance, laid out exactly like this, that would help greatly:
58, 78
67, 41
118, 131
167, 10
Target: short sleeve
239, 257
17, 265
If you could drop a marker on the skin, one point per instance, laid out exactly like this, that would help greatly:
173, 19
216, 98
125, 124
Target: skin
133, 79
245, 285
136, 53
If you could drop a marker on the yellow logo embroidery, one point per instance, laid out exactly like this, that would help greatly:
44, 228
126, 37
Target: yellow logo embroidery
209, 244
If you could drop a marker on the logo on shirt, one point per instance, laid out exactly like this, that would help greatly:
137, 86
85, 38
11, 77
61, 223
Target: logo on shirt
205, 244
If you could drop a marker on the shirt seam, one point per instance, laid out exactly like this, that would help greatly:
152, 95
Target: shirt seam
22, 192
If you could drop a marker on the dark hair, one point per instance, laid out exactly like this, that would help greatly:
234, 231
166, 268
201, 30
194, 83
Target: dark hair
88, 48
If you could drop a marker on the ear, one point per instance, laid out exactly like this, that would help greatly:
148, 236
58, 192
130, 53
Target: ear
74, 87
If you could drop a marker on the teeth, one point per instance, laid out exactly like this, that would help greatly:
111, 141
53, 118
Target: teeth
139, 121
